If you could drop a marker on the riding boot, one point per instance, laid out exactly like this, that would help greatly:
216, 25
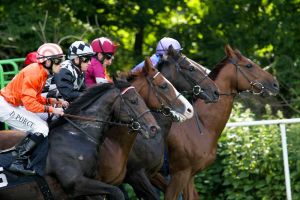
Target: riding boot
23, 151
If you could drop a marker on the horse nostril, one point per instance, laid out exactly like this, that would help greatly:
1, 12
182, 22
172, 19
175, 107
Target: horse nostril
276, 86
216, 92
153, 129
189, 110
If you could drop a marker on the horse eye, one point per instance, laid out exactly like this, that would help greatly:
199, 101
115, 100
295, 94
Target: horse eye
163, 86
249, 65
133, 101
192, 68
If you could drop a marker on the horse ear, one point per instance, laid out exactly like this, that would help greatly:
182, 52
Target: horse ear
148, 67
229, 52
171, 51
238, 53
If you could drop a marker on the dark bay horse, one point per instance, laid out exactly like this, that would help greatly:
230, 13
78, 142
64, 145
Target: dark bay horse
160, 96
74, 147
146, 157
187, 77
192, 149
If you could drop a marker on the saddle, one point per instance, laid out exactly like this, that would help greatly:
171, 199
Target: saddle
8, 140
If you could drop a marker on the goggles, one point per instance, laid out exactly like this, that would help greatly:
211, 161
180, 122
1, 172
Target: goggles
108, 56
57, 61
85, 59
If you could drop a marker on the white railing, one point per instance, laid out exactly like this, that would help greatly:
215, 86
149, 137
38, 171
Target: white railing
282, 123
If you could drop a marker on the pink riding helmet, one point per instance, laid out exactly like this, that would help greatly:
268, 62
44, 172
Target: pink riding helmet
103, 45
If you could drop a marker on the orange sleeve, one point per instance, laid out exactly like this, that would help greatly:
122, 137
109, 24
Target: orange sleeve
41, 99
31, 98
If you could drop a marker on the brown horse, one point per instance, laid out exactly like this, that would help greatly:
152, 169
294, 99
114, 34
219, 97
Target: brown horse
159, 94
146, 157
192, 149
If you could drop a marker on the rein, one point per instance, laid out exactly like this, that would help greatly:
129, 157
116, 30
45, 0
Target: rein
93, 119
133, 125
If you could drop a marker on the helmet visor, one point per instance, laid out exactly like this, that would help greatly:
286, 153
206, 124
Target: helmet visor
57, 61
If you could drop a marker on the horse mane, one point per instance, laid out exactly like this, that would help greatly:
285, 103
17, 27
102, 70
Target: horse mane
88, 97
94, 93
161, 63
216, 70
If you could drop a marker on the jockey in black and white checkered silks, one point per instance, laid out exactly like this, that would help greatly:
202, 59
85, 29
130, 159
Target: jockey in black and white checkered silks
70, 79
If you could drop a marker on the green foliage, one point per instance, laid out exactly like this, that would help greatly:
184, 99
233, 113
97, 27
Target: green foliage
266, 31
249, 162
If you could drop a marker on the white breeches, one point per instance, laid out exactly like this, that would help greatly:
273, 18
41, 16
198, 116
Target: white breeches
22, 119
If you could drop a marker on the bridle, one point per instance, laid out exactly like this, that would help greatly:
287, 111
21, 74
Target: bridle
165, 109
196, 88
254, 85
133, 125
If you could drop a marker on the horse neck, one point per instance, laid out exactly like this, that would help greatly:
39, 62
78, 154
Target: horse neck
103, 109
142, 88
215, 116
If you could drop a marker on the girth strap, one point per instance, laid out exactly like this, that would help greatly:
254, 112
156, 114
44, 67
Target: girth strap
44, 187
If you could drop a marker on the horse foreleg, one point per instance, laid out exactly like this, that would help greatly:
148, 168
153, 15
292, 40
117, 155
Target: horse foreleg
190, 192
178, 182
83, 186
142, 185
159, 181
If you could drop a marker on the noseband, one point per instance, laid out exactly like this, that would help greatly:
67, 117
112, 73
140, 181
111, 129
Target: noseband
254, 85
164, 109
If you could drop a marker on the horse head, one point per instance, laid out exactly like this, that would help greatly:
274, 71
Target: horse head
187, 76
159, 94
131, 108
117, 102
248, 76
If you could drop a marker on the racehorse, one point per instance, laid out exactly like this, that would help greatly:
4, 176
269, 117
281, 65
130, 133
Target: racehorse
160, 96
74, 143
192, 148
146, 157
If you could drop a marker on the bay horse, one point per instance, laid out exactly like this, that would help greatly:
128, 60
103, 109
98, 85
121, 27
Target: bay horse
74, 146
160, 96
146, 157
192, 149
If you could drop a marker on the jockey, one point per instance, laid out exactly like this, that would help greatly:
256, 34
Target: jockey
50, 90
70, 79
161, 50
96, 72
21, 99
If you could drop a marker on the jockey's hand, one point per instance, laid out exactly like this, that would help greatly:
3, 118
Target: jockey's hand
58, 111
65, 104
62, 103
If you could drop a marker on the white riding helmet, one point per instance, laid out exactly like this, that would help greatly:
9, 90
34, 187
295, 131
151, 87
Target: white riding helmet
79, 49
163, 45
48, 51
